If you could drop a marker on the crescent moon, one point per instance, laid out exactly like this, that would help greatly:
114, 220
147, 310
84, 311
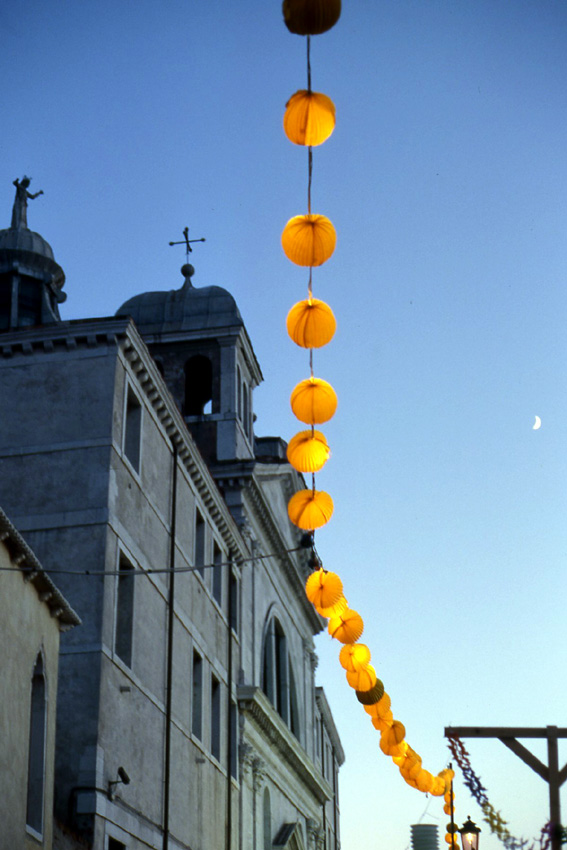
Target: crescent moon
537, 424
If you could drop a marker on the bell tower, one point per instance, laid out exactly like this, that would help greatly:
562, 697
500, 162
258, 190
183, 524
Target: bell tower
30, 279
200, 344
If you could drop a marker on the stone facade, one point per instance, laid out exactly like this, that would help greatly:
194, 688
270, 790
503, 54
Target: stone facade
32, 615
188, 715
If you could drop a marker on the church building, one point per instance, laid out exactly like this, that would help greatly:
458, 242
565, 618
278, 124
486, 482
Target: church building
188, 717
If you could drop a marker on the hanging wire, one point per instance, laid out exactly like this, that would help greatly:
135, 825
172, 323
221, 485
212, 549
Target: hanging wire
308, 63
310, 172
159, 570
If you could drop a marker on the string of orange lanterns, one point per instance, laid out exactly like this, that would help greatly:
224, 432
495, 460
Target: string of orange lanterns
309, 241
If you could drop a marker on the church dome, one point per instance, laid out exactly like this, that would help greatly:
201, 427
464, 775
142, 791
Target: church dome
23, 247
185, 309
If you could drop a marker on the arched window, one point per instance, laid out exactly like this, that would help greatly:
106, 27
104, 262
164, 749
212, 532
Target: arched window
198, 385
278, 682
267, 817
36, 758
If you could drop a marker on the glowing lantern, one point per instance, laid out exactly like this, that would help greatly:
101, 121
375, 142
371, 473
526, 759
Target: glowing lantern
424, 781
373, 695
309, 240
382, 723
313, 401
323, 588
392, 749
447, 808
438, 787
310, 17
410, 782
363, 679
470, 834
333, 610
311, 323
346, 627
310, 509
308, 451
309, 118
379, 708
354, 656
395, 734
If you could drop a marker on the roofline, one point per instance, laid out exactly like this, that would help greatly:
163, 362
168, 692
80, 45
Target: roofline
22, 556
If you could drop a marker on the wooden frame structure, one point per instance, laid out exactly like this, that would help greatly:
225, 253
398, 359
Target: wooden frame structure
551, 773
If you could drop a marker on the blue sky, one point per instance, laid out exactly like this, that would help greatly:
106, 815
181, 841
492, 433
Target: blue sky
446, 180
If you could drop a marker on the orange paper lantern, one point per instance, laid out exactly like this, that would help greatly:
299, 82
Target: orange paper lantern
310, 17
310, 509
395, 734
333, 610
311, 323
424, 781
309, 118
309, 240
346, 627
313, 401
380, 708
438, 787
382, 723
363, 679
308, 451
323, 588
373, 695
354, 656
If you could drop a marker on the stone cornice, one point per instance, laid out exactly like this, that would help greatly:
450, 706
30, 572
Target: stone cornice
256, 706
22, 557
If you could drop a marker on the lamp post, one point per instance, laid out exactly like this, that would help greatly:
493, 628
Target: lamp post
470, 834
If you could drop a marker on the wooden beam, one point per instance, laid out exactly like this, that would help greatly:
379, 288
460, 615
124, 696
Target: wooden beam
500, 732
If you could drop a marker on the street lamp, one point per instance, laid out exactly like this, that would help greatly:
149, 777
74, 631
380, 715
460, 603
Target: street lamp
469, 834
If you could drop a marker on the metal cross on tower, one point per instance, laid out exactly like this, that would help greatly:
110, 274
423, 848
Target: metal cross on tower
187, 242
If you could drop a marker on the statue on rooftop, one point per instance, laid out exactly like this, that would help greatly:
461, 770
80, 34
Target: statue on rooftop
20, 208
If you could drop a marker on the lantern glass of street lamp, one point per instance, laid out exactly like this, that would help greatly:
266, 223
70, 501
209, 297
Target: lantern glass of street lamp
469, 835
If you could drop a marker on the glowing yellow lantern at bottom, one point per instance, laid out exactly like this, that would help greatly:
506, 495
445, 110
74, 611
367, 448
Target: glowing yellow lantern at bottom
310, 509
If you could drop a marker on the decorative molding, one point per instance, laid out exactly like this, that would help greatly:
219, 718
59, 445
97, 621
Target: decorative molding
259, 773
258, 710
315, 834
22, 556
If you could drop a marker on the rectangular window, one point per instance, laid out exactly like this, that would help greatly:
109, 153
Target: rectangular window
124, 626
200, 541
233, 601
197, 697
215, 718
234, 740
133, 429
217, 573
